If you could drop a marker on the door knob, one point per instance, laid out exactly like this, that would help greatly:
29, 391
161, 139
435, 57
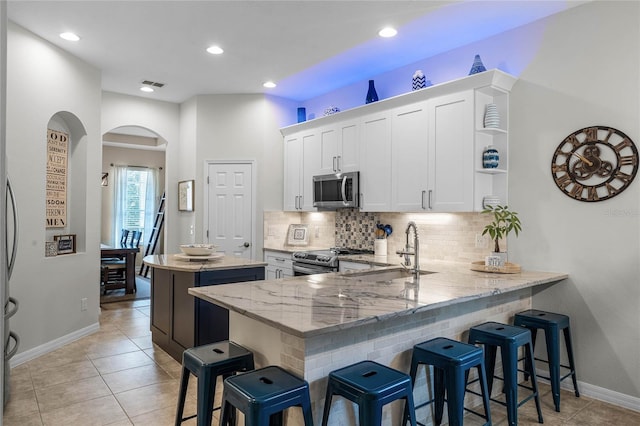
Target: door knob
246, 244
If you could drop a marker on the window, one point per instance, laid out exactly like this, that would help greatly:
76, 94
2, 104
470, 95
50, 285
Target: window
135, 200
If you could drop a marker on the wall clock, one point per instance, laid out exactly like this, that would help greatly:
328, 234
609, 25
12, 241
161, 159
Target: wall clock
595, 163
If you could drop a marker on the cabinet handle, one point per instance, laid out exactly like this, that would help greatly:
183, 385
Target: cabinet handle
300, 203
338, 168
335, 169
422, 201
430, 194
297, 203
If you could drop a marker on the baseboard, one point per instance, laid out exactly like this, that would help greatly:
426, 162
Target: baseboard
596, 392
44, 349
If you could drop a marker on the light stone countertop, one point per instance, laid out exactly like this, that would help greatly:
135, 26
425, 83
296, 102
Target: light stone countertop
175, 263
312, 305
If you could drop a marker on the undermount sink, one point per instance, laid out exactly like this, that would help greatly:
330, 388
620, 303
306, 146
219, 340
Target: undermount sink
384, 275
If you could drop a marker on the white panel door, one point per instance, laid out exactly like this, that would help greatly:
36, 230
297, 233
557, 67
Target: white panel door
230, 208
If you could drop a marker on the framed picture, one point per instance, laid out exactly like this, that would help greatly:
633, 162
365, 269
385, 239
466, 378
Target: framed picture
105, 179
66, 244
185, 195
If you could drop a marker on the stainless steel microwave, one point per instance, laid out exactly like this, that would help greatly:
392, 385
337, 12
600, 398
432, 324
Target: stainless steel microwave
336, 191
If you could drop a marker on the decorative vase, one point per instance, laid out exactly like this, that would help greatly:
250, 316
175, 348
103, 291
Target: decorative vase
331, 110
372, 95
302, 114
490, 158
419, 81
491, 117
477, 66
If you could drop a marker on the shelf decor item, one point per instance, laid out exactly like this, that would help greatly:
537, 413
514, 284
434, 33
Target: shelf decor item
302, 114
504, 222
331, 110
491, 117
419, 81
372, 95
490, 158
477, 66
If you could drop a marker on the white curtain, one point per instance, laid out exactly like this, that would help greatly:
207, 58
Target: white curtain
119, 202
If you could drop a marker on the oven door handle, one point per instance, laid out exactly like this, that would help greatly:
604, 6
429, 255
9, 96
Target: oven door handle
344, 191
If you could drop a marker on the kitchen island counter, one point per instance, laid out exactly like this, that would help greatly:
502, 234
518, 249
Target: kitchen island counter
314, 324
316, 304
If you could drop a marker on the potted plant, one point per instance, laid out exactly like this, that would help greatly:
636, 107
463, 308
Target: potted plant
504, 221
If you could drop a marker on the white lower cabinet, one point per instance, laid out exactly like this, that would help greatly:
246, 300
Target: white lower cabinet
279, 265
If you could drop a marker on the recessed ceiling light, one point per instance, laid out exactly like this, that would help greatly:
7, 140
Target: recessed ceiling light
69, 36
146, 89
269, 84
215, 50
387, 32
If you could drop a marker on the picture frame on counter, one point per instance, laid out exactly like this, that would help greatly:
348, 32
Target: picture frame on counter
65, 244
185, 195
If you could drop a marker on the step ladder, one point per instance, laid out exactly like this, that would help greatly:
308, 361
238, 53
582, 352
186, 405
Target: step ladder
155, 235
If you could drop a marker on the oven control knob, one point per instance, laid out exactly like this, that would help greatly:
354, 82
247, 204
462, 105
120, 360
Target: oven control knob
300, 255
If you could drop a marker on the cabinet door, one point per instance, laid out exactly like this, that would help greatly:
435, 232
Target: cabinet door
310, 168
348, 154
375, 162
409, 157
183, 310
328, 139
450, 159
161, 287
292, 171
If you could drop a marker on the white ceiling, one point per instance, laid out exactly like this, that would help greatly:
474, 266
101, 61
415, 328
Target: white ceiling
294, 43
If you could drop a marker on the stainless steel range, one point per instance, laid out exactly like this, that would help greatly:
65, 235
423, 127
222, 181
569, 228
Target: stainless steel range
321, 261
314, 262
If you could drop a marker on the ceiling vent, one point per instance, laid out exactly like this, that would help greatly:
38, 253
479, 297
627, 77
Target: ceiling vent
153, 83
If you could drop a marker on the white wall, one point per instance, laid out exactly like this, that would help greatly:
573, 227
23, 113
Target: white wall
43, 81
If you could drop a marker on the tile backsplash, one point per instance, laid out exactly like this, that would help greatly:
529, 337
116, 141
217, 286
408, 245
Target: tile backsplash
443, 236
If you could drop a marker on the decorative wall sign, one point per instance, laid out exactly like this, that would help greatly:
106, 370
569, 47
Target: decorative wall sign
56, 189
66, 243
595, 163
185, 195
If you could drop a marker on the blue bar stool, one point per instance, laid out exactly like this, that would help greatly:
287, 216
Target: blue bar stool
371, 386
262, 395
451, 361
207, 362
551, 323
509, 338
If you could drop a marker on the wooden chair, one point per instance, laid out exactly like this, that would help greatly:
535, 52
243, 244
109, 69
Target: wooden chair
113, 270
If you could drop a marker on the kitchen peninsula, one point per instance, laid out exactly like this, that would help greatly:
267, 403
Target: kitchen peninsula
180, 321
314, 324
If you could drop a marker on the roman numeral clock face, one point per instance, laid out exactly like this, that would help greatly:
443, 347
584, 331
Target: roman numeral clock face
594, 163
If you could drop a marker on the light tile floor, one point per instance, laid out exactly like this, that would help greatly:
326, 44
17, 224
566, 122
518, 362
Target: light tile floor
118, 377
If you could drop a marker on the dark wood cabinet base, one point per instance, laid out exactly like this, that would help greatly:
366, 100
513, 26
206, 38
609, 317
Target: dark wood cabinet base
178, 320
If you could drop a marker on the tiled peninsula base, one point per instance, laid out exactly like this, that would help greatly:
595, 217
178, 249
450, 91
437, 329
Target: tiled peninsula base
388, 342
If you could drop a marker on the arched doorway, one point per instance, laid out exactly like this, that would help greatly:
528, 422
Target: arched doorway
133, 182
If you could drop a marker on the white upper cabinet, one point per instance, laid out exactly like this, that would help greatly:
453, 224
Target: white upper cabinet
339, 148
375, 162
417, 152
409, 141
301, 163
451, 150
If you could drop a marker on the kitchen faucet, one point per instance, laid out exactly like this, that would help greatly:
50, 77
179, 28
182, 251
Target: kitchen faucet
407, 250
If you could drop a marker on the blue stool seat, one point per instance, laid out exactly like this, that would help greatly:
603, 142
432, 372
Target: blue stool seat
551, 323
370, 385
207, 362
451, 361
262, 393
509, 339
